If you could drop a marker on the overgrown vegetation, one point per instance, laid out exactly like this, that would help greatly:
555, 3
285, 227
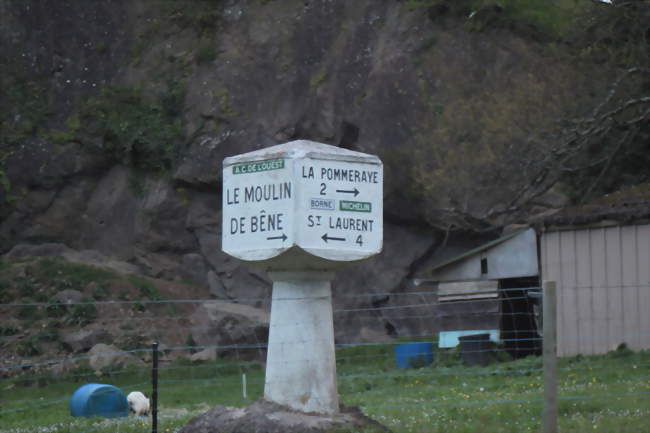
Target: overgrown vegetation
545, 20
34, 311
24, 110
541, 127
200, 15
135, 130
615, 34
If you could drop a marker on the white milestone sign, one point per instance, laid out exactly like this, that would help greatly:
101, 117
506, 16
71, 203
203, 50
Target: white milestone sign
323, 199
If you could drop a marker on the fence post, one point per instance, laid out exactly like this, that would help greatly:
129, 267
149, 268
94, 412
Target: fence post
154, 388
549, 416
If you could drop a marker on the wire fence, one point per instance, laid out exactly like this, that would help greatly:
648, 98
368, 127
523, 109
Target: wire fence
411, 360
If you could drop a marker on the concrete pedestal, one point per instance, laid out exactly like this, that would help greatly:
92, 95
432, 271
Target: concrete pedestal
301, 362
299, 211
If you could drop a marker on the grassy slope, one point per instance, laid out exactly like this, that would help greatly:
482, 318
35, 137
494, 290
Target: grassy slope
598, 394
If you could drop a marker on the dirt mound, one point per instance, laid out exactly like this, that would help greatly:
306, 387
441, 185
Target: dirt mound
266, 417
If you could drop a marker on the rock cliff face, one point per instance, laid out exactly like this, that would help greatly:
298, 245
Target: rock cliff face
119, 113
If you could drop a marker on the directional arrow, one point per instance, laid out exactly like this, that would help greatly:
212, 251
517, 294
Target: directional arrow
283, 237
329, 238
355, 191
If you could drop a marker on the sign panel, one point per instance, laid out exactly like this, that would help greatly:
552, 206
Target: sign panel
257, 208
339, 208
326, 200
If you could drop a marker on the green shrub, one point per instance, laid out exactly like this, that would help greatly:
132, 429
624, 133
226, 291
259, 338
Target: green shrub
189, 342
28, 312
147, 291
54, 324
81, 314
55, 309
66, 275
206, 51
47, 335
622, 351
8, 330
202, 16
100, 291
24, 287
135, 130
29, 347
5, 291
146, 288
552, 19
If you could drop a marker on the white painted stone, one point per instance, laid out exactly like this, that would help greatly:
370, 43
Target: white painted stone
301, 210
301, 362
323, 199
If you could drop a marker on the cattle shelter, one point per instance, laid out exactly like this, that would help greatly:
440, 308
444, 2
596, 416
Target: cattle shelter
490, 290
599, 256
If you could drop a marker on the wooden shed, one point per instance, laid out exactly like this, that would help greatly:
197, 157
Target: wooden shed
599, 255
486, 290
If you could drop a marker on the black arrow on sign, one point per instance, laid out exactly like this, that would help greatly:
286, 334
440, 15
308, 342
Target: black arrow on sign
283, 237
347, 191
329, 238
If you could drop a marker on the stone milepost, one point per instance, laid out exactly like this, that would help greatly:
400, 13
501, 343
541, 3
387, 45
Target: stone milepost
300, 210
323, 199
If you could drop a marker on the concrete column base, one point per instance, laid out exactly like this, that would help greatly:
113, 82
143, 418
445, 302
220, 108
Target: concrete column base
301, 361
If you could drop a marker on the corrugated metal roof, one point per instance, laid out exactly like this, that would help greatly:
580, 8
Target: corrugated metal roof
479, 249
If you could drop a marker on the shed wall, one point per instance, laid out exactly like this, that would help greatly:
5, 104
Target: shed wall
603, 283
513, 258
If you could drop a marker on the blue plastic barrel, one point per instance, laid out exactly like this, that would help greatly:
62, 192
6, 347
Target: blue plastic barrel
96, 399
409, 355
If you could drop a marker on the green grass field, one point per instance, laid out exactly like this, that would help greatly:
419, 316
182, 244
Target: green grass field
609, 393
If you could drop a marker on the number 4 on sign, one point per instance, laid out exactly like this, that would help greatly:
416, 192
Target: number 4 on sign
359, 240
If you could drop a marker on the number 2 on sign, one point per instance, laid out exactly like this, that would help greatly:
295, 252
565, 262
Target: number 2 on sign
359, 240
322, 189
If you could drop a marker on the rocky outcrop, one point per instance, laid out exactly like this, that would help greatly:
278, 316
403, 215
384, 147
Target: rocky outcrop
85, 257
85, 339
443, 106
204, 355
226, 325
68, 296
104, 357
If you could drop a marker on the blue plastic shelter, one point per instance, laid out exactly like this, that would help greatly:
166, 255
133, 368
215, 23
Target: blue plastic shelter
96, 399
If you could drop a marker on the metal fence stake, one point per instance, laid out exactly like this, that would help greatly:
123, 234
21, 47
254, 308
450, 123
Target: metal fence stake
549, 416
154, 388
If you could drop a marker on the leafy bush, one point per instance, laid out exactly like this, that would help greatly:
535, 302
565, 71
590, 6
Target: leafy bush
8, 330
146, 288
616, 33
147, 291
29, 347
68, 275
100, 291
203, 16
28, 312
55, 309
550, 19
47, 335
622, 351
189, 342
5, 295
206, 51
136, 131
24, 286
81, 314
